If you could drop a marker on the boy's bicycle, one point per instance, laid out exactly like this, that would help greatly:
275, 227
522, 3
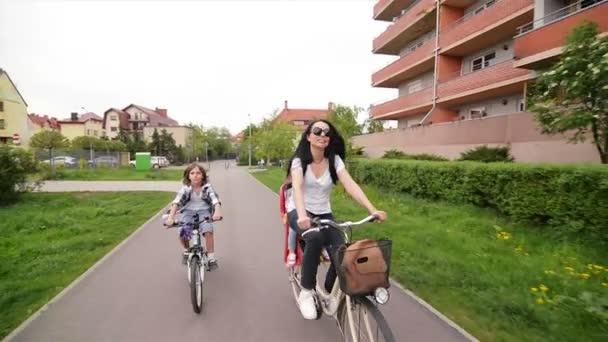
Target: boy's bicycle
197, 262
358, 317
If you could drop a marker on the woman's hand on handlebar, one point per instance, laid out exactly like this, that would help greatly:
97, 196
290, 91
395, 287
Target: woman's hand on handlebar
379, 214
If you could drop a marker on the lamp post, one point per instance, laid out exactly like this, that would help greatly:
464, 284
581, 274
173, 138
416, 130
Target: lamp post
207, 155
90, 142
249, 115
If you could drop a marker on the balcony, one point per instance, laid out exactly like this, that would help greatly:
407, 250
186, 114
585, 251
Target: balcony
499, 79
496, 23
408, 66
414, 103
416, 21
540, 41
386, 10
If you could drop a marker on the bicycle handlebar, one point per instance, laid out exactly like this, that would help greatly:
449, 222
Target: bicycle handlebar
181, 223
325, 223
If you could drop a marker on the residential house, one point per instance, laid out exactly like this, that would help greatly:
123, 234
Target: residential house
15, 125
88, 124
135, 118
461, 72
301, 118
42, 123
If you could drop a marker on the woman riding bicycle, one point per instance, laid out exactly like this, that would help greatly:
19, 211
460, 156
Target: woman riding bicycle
316, 166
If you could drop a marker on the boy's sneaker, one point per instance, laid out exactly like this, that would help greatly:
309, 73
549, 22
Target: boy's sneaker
213, 263
306, 303
291, 259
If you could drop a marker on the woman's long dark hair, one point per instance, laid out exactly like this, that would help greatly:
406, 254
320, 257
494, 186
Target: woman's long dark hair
335, 147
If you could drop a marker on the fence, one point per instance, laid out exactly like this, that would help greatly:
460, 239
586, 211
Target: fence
69, 158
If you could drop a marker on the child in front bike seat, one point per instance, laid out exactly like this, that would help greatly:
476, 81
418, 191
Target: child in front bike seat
197, 196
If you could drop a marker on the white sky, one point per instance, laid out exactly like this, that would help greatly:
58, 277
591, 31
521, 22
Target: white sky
208, 62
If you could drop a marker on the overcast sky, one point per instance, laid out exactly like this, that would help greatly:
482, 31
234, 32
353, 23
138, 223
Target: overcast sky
208, 62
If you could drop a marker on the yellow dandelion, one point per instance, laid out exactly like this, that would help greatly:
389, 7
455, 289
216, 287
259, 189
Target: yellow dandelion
589, 266
585, 276
549, 272
605, 284
534, 289
543, 288
569, 269
540, 301
598, 267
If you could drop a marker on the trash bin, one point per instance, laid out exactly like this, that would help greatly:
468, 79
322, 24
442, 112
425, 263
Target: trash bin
143, 161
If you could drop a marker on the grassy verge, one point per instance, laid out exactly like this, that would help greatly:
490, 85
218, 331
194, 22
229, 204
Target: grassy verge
48, 240
498, 280
126, 173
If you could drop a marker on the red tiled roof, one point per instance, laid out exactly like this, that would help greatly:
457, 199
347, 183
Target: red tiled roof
90, 116
290, 115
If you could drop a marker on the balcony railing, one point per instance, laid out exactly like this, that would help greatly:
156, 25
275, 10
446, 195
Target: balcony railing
410, 16
404, 62
471, 24
560, 13
404, 103
460, 83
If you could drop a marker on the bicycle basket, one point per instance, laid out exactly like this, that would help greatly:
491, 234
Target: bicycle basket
364, 266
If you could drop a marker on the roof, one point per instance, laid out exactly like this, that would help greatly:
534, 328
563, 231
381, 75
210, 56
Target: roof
42, 120
290, 115
123, 118
2, 71
90, 116
83, 118
154, 117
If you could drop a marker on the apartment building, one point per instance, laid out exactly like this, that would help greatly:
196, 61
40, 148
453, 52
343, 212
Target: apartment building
462, 60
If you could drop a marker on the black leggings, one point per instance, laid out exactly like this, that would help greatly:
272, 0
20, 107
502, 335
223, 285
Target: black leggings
314, 242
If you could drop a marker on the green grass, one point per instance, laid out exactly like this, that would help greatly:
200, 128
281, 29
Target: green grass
48, 240
453, 257
126, 173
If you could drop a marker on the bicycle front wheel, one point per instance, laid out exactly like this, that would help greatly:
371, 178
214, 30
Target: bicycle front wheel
196, 284
361, 321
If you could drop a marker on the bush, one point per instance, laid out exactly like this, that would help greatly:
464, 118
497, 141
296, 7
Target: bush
487, 154
394, 154
15, 165
566, 198
244, 160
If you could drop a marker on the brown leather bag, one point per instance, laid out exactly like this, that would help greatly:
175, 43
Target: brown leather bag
364, 266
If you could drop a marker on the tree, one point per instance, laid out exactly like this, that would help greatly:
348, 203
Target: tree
345, 120
88, 142
275, 140
48, 140
572, 96
155, 144
373, 126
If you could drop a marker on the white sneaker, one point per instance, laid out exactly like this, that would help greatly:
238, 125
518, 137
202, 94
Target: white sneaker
291, 259
306, 302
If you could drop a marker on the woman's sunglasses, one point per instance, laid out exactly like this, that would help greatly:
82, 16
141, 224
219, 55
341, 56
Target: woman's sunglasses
318, 130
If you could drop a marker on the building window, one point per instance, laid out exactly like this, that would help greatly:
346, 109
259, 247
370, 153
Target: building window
88, 132
414, 86
113, 117
113, 129
521, 105
1, 106
477, 113
2, 124
483, 61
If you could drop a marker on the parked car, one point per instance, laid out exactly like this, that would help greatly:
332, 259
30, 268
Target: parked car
108, 161
159, 161
66, 161
156, 161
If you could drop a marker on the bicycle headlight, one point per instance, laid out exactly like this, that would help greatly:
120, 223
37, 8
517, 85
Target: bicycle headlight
381, 295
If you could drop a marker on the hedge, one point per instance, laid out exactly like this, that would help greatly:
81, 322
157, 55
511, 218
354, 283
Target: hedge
565, 198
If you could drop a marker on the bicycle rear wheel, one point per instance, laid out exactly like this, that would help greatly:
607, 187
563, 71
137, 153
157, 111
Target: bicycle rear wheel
362, 321
196, 284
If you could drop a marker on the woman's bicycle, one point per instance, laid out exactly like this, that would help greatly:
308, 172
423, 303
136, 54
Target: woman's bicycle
197, 262
357, 316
